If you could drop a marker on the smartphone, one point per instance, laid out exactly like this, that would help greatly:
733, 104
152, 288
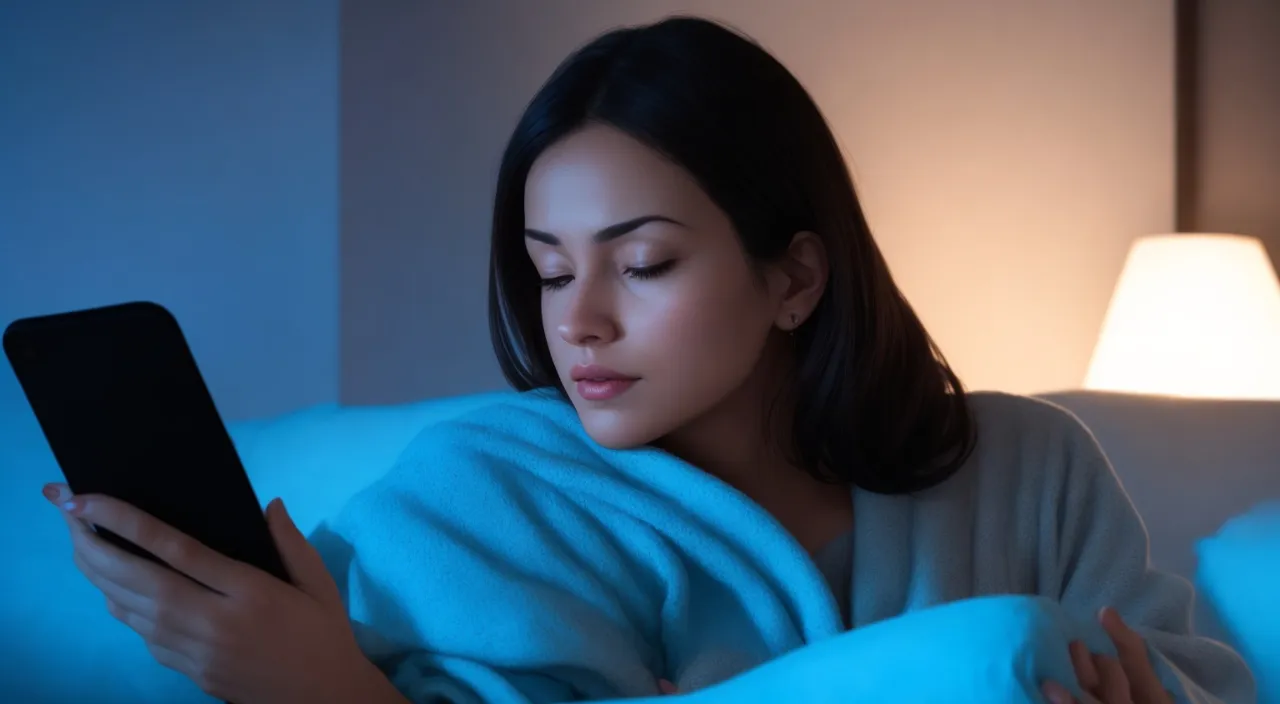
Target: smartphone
126, 412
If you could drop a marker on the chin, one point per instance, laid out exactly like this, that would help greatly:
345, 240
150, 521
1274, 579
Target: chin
617, 429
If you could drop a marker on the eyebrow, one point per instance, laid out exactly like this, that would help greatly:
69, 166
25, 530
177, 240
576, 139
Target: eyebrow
611, 232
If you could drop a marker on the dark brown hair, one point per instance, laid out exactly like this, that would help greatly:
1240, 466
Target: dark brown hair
876, 405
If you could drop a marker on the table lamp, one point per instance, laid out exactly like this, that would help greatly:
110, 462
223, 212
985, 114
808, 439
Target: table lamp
1193, 316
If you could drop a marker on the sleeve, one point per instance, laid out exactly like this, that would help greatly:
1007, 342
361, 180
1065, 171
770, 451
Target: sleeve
1103, 560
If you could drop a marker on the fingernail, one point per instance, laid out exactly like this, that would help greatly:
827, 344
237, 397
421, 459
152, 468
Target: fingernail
1057, 694
73, 507
51, 492
1108, 616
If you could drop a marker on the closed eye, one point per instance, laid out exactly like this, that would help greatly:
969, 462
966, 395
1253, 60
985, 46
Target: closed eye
556, 283
650, 272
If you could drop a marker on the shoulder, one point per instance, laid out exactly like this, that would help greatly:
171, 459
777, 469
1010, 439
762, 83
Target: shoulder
1032, 442
1038, 473
1005, 419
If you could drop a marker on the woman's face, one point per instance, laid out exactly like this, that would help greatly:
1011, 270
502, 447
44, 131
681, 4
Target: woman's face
651, 310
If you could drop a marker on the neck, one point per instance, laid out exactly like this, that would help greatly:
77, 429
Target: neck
737, 440
740, 441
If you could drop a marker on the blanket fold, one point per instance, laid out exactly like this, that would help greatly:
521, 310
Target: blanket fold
508, 559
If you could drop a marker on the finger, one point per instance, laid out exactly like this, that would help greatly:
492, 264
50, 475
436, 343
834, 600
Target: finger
137, 574
162, 619
178, 550
77, 526
1057, 694
117, 596
189, 666
171, 650
140, 585
59, 495
1132, 649
1086, 673
1115, 686
174, 658
301, 560
154, 634
56, 493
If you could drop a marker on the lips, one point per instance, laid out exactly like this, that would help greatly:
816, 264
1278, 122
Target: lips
595, 372
597, 383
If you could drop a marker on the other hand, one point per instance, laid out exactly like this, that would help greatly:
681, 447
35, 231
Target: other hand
254, 639
1129, 678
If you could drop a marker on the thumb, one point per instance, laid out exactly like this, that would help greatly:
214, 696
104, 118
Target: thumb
300, 557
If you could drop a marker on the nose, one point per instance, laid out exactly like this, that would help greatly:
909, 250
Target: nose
587, 319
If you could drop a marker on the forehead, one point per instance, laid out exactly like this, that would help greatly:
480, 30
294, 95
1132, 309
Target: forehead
599, 176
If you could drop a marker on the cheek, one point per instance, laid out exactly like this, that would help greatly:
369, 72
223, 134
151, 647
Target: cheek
557, 345
708, 335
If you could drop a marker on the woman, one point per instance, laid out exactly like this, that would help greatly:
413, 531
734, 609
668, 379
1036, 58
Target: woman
679, 252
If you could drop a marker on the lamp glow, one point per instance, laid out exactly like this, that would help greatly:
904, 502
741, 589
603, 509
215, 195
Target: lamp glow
1193, 315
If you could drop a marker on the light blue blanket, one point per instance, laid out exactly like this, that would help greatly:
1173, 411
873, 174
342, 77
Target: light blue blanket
508, 558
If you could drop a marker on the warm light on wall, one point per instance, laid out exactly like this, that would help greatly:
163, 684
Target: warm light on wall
1194, 315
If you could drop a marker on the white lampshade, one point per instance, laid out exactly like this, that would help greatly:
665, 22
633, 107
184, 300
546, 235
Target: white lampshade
1194, 315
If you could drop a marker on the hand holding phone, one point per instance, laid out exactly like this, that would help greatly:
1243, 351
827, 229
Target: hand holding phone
237, 632
163, 518
126, 412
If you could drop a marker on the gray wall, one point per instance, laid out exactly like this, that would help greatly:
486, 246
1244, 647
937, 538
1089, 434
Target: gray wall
184, 153
1235, 121
1007, 153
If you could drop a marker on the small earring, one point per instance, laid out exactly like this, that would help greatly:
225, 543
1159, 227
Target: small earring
794, 324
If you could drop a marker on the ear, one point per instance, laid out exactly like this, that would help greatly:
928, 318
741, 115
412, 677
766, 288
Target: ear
798, 279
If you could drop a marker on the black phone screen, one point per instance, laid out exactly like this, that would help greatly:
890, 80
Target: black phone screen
126, 412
